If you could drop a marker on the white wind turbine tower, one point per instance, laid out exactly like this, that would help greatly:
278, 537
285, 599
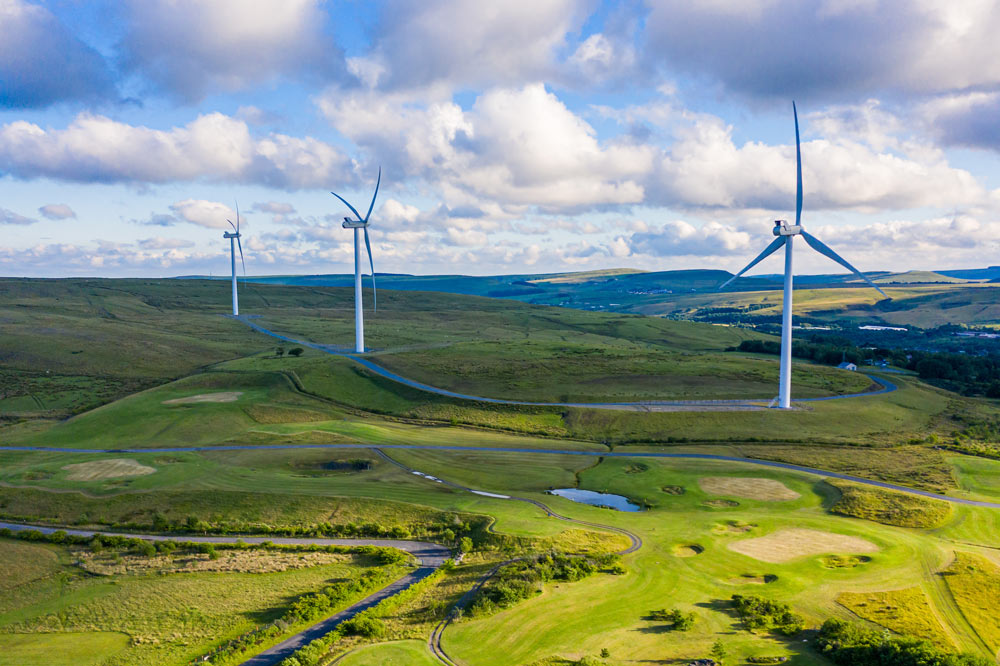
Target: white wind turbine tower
234, 241
360, 225
786, 234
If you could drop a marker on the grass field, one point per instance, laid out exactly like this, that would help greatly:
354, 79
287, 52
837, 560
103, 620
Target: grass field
975, 583
906, 611
207, 380
399, 653
148, 615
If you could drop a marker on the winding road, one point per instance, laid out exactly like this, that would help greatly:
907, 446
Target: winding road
885, 386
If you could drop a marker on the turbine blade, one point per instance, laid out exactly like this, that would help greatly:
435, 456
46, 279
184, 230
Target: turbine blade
237, 216
233, 226
240, 245
377, 183
817, 245
798, 169
353, 209
768, 251
372, 264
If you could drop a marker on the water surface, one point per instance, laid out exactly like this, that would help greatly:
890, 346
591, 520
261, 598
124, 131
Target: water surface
607, 500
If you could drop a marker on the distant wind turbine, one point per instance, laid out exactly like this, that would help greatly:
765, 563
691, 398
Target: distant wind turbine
786, 234
234, 235
360, 225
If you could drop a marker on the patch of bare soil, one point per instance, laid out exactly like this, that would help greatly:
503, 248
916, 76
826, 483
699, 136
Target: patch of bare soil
220, 396
113, 468
790, 544
749, 487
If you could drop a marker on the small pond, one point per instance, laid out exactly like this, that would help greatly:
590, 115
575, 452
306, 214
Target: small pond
617, 502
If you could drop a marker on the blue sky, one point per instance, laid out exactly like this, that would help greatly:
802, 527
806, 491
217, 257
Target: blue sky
524, 136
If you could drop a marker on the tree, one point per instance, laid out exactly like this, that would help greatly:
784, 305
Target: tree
718, 652
295, 351
279, 351
605, 653
465, 545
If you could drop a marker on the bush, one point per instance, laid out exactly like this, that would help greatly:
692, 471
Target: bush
759, 613
364, 625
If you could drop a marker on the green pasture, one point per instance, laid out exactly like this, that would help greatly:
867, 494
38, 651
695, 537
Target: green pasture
617, 606
140, 618
397, 653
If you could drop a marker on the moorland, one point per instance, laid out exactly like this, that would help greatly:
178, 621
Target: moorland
136, 406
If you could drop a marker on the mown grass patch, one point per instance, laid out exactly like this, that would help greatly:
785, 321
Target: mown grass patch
974, 581
23, 563
395, 653
889, 507
64, 649
907, 612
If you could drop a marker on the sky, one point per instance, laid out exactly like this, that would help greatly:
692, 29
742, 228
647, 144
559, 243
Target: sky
528, 136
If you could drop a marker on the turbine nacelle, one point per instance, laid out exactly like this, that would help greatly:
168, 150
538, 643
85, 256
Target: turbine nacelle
231, 234
348, 223
782, 228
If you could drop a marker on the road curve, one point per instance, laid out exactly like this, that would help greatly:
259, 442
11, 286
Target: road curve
565, 452
430, 555
885, 386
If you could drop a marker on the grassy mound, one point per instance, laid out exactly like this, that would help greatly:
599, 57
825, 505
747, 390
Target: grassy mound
905, 612
889, 507
974, 581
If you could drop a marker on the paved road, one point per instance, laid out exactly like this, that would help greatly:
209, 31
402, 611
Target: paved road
885, 386
565, 452
429, 555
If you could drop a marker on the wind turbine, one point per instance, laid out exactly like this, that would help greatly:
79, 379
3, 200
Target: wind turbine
234, 241
786, 234
360, 225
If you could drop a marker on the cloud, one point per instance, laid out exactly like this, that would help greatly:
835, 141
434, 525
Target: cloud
680, 238
56, 212
208, 214
463, 43
519, 146
214, 147
831, 49
160, 243
191, 49
10, 217
42, 63
274, 207
965, 120
705, 168
158, 220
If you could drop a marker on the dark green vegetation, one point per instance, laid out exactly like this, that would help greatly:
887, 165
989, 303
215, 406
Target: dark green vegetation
757, 613
889, 507
849, 644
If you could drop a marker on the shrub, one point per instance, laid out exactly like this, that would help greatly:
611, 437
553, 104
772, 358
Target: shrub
364, 625
759, 613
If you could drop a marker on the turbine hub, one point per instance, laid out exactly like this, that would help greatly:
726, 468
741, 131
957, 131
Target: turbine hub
231, 234
782, 228
353, 224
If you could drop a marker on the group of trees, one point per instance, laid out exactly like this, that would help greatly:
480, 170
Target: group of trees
523, 579
675, 618
968, 374
760, 613
450, 531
